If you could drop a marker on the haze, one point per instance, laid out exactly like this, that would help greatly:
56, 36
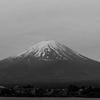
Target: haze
75, 23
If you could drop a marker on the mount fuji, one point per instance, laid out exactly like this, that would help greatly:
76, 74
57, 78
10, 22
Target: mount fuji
49, 62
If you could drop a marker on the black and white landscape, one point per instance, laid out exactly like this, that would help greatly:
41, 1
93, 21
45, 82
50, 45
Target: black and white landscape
49, 63
63, 55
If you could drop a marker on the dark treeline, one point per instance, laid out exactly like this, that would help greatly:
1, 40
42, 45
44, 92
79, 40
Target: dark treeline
30, 91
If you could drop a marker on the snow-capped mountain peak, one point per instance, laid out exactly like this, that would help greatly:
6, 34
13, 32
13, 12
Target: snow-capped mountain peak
51, 50
45, 44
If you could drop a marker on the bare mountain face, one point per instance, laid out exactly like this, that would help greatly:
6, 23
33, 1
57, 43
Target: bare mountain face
49, 62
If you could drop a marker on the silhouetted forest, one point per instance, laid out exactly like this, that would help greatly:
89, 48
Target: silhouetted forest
31, 91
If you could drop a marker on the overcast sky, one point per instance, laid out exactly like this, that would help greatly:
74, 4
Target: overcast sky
75, 23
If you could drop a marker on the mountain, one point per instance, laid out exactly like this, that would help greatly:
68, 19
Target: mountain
49, 62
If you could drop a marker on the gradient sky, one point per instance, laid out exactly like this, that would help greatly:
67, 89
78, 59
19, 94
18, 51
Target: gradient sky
75, 23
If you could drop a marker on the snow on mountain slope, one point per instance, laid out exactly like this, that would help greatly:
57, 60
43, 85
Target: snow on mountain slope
49, 51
